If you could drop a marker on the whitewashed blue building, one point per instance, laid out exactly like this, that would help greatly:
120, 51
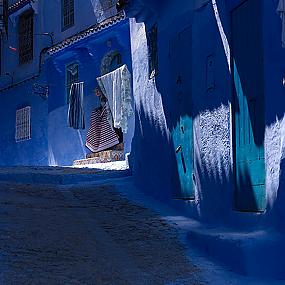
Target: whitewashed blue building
41, 41
208, 81
211, 128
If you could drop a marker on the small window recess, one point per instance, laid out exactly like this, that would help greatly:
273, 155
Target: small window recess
26, 37
72, 76
67, 14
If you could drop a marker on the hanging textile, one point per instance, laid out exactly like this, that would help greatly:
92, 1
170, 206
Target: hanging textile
116, 86
281, 12
76, 110
100, 135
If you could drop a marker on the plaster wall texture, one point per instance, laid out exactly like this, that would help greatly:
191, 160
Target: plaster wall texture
52, 141
47, 19
10, 50
67, 144
149, 159
211, 111
30, 152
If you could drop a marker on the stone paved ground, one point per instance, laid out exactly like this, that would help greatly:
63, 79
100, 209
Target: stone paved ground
73, 235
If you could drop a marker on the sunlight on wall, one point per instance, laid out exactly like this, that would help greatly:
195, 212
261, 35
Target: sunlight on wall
214, 142
223, 34
148, 100
274, 154
82, 144
51, 159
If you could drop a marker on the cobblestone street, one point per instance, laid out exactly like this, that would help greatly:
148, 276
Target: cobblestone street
85, 235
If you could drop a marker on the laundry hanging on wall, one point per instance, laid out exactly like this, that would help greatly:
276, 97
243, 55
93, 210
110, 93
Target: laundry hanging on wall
76, 110
281, 11
100, 135
116, 87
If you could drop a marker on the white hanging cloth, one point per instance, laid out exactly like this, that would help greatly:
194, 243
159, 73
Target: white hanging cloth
116, 86
281, 11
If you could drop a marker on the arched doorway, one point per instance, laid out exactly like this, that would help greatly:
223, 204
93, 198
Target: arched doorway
112, 84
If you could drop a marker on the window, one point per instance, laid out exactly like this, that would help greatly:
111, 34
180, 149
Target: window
67, 14
23, 124
152, 51
26, 40
72, 76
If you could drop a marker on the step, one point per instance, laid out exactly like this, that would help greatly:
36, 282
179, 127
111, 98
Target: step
102, 157
257, 253
57, 175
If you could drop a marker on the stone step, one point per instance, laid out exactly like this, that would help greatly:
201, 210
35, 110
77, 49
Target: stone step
57, 175
102, 157
256, 253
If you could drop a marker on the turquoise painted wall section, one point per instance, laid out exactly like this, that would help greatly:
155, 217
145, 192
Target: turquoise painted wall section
250, 194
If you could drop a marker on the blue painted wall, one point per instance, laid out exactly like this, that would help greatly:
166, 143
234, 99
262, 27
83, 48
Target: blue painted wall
33, 151
52, 141
211, 110
67, 144
47, 19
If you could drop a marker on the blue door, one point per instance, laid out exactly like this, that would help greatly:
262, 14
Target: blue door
182, 132
249, 123
182, 141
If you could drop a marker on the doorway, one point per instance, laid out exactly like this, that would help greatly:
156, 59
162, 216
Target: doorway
182, 132
249, 121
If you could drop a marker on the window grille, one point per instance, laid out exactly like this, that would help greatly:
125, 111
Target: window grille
67, 13
152, 51
23, 124
72, 76
26, 40
4, 17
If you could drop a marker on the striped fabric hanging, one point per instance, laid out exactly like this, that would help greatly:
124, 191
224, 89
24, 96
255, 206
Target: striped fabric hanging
100, 136
76, 111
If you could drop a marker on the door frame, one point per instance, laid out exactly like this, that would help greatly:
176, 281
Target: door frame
233, 108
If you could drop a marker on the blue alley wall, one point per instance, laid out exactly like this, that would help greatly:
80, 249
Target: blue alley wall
211, 111
33, 151
67, 144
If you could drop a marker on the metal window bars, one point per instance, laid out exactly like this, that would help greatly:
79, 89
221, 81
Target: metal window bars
67, 13
23, 124
26, 41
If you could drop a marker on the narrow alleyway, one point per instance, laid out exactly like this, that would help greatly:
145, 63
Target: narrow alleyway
75, 235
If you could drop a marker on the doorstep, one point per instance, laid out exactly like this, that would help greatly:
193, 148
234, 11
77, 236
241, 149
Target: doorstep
58, 175
256, 253
102, 157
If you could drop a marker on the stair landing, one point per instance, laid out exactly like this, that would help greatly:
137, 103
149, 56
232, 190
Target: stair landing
102, 157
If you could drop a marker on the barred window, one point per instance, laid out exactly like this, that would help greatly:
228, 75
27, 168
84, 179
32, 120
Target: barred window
67, 13
26, 40
23, 124
72, 76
